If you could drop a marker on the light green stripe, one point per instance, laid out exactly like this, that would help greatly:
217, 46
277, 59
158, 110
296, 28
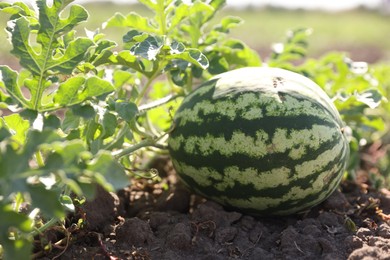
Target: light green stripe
297, 142
311, 167
260, 180
203, 176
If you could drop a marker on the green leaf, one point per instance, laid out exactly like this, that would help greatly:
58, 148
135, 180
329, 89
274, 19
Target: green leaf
56, 50
121, 78
18, 127
148, 48
193, 56
113, 176
52, 122
181, 13
132, 20
46, 200
179, 77
10, 218
16, 10
228, 23
109, 124
102, 52
68, 91
39, 61
126, 110
126, 58
218, 64
67, 203
73, 55
9, 82
78, 89
238, 54
19, 248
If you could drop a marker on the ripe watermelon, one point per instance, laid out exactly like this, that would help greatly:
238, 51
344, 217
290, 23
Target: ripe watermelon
264, 141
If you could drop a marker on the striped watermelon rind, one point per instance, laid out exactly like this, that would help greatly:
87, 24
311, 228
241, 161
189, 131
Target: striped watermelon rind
264, 141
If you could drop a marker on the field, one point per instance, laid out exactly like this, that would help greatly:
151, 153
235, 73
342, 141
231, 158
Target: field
88, 123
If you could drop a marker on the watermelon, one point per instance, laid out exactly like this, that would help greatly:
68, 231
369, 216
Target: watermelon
263, 141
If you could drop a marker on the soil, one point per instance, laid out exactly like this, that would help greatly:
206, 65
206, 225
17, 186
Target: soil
163, 220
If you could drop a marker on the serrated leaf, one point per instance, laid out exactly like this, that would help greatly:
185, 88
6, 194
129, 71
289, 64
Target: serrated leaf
201, 11
77, 89
177, 47
238, 54
102, 52
228, 23
148, 48
73, 55
52, 23
132, 20
16, 10
67, 93
180, 13
9, 82
193, 56
55, 50
126, 58
217, 4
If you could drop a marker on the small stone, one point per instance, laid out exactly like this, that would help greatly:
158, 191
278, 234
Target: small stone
353, 242
363, 232
383, 231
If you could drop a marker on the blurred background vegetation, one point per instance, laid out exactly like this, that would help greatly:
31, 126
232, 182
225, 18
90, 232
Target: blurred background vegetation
362, 33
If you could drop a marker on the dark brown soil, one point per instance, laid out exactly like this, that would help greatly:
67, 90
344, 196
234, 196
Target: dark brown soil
150, 221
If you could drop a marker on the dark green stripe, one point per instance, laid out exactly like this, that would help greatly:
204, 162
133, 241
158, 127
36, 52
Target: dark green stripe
268, 162
249, 128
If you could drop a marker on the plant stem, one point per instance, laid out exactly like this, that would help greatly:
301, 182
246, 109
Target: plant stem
121, 133
144, 143
39, 158
147, 86
131, 149
47, 225
162, 17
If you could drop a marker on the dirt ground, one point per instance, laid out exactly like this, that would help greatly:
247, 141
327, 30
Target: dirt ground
162, 220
